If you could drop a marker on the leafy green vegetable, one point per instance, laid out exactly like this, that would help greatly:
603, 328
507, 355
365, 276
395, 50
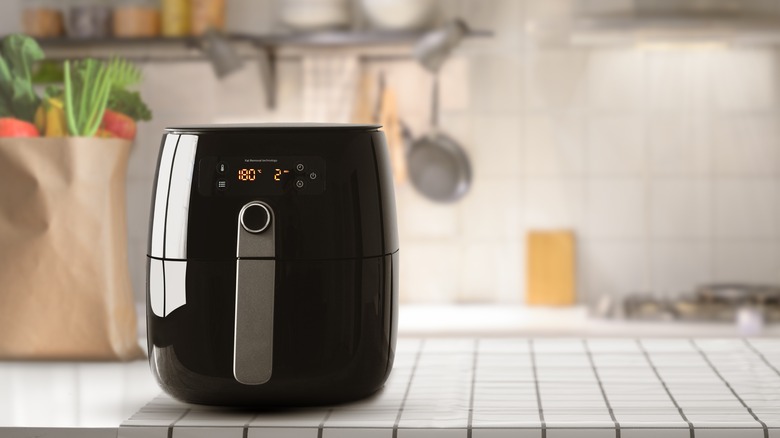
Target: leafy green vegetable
125, 101
125, 73
17, 95
129, 103
48, 72
87, 88
52, 91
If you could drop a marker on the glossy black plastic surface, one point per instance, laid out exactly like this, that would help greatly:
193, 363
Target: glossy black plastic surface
336, 279
334, 334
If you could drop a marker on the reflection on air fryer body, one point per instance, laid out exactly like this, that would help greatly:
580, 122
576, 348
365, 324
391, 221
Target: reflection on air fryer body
265, 292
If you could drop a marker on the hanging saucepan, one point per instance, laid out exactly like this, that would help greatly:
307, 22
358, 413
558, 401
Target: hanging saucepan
438, 166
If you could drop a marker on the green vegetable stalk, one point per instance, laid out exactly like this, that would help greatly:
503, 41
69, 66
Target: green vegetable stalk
88, 85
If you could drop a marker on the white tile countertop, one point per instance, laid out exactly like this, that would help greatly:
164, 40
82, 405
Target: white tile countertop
443, 387
490, 320
71, 399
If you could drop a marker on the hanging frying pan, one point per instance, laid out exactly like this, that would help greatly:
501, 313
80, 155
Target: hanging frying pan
438, 166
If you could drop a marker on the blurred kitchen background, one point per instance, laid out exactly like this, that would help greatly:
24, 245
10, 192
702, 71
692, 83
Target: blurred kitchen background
636, 144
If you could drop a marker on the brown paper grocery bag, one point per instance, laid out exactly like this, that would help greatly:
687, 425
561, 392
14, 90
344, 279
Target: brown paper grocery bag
65, 290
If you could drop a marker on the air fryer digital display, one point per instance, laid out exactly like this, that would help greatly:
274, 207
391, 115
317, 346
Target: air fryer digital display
261, 176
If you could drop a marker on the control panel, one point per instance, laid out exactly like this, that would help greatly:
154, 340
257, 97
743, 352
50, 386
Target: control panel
261, 176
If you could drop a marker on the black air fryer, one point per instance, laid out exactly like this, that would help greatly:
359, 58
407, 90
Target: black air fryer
273, 264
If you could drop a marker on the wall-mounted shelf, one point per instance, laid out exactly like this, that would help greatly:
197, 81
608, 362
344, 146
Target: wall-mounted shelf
265, 49
165, 49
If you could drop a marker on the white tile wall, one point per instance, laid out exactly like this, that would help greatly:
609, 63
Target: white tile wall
679, 144
746, 260
745, 79
616, 79
665, 163
614, 267
418, 219
680, 265
497, 80
171, 87
556, 78
454, 73
615, 208
554, 203
491, 210
499, 152
548, 21
746, 208
616, 145
678, 80
746, 144
503, 258
430, 270
554, 144
239, 94
680, 208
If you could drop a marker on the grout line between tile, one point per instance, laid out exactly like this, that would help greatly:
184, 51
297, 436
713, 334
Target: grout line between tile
408, 388
473, 384
728, 385
322, 423
666, 388
245, 433
647, 188
536, 386
601, 388
171, 426
761, 355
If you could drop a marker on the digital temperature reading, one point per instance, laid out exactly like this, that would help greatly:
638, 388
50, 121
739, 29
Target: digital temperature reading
248, 174
251, 174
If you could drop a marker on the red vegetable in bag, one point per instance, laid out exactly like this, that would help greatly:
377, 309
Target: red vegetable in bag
11, 127
119, 124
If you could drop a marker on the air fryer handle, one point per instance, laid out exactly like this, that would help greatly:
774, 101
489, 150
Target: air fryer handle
253, 341
255, 281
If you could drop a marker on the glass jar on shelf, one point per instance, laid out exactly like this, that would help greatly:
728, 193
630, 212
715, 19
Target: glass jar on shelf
207, 14
136, 18
176, 18
43, 18
88, 19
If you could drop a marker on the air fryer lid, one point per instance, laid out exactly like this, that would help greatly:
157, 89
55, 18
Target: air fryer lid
255, 127
327, 187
